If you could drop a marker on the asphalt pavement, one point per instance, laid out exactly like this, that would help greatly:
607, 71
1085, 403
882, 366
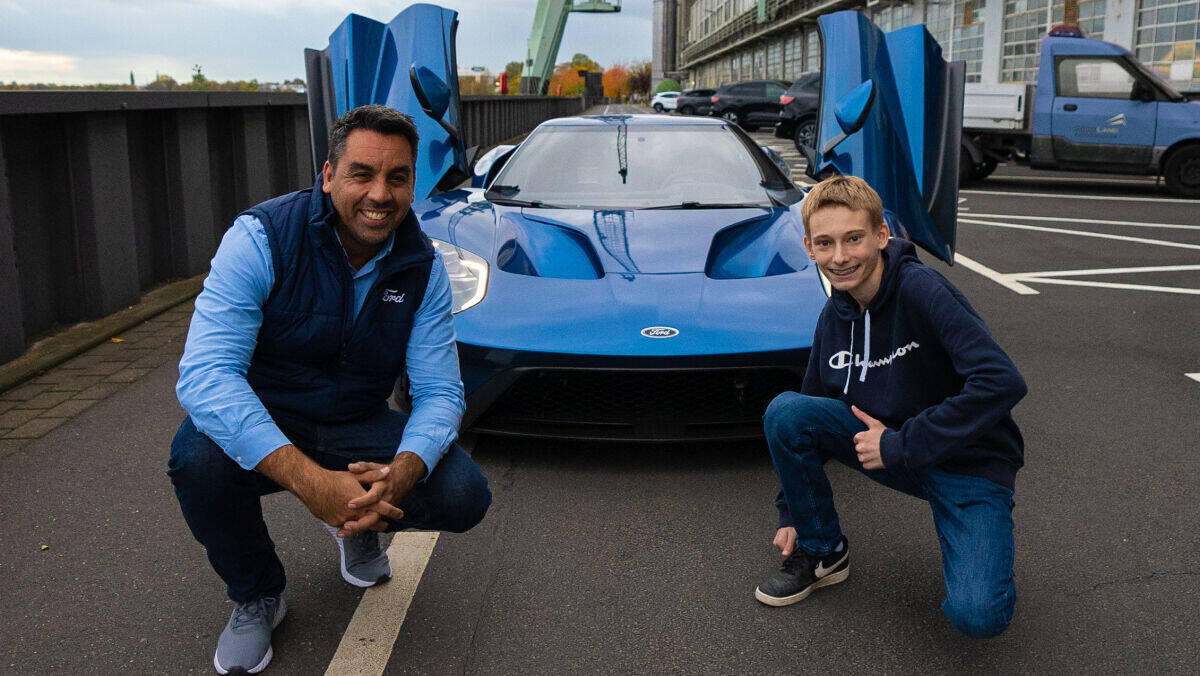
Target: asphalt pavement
632, 558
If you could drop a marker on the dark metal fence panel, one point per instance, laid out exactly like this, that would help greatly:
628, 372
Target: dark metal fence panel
104, 195
488, 120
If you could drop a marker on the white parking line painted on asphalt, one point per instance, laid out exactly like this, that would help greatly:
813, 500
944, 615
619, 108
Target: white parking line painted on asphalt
1000, 278
371, 634
1082, 233
1081, 197
1097, 221
1193, 376
1108, 271
1107, 285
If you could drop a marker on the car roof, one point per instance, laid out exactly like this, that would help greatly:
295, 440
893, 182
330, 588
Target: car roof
634, 120
785, 83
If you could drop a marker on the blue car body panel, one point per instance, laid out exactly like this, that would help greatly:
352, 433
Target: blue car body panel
723, 301
598, 282
1148, 124
908, 148
368, 62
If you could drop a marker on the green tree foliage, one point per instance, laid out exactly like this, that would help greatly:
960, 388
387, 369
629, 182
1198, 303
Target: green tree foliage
476, 85
582, 62
668, 85
163, 83
513, 69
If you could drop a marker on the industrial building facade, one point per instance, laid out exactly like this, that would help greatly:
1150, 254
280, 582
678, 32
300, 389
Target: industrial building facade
707, 43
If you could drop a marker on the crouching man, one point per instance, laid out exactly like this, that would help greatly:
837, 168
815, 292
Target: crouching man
906, 385
316, 303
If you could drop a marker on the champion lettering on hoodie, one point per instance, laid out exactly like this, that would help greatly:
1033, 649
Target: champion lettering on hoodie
920, 360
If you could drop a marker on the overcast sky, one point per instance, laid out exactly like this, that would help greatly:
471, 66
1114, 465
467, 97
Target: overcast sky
87, 41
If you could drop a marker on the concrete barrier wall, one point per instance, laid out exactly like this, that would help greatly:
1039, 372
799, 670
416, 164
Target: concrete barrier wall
104, 195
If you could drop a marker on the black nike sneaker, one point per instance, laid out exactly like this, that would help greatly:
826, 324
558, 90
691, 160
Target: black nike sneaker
801, 573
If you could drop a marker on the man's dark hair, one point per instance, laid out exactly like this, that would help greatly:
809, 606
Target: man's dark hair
376, 118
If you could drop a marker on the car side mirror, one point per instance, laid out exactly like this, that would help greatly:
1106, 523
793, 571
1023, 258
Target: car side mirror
432, 94
851, 111
778, 161
486, 166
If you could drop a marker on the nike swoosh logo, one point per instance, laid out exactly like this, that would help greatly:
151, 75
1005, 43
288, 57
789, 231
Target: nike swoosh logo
822, 571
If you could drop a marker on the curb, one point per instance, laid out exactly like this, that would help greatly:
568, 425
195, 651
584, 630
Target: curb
50, 352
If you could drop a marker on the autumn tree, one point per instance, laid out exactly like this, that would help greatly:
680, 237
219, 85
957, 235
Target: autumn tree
476, 85
582, 62
616, 81
163, 83
513, 69
639, 78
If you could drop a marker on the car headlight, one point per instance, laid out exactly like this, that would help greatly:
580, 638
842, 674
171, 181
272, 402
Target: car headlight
468, 275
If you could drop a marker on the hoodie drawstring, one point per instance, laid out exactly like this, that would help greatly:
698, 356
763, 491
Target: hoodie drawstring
850, 351
862, 375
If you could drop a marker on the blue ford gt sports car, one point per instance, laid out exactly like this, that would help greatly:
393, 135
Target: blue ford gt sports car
640, 277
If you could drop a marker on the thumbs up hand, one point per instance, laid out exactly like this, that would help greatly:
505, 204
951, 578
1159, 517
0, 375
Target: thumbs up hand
866, 443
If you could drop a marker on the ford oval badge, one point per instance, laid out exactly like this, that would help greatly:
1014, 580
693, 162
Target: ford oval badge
660, 332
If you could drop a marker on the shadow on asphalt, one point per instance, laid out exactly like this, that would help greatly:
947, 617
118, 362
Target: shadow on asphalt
1109, 186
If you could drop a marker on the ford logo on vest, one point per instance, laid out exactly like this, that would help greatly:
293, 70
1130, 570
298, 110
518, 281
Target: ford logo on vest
660, 332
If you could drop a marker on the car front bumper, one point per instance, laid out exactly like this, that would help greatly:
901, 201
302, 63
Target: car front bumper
571, 396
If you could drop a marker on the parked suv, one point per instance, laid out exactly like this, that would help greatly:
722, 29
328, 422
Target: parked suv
798, 119
695, 102
751, 104
663, 101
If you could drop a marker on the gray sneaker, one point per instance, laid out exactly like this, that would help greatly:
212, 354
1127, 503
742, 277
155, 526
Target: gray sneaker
364, 563
245, 645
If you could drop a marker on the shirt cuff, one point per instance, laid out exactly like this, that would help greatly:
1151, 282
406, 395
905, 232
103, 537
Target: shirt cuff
424, 448
255, 444
890, 452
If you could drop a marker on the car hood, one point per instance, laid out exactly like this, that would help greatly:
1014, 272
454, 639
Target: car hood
729, 280
735, 243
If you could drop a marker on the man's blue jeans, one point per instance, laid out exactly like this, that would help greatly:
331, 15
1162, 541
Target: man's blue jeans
221, 505
972, 515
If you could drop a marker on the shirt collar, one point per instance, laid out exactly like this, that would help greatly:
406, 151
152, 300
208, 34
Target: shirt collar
369, 266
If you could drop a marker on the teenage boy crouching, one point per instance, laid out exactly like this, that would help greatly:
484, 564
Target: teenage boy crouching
906, 385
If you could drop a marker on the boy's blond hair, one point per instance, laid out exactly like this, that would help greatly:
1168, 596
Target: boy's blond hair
847, 191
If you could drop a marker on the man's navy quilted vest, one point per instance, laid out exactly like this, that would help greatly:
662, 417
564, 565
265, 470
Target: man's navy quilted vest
314, 358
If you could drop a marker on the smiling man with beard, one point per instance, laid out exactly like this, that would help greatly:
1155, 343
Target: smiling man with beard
906, 385
316, 302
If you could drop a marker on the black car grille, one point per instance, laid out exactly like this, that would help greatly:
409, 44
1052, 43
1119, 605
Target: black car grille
638, 405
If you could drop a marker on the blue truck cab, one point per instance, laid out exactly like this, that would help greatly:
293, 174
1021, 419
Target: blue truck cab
1096, 108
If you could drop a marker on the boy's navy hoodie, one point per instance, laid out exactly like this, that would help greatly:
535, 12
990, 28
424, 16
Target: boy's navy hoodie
922, 362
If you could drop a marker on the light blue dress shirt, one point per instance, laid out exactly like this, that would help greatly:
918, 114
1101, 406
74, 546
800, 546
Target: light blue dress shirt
212, 385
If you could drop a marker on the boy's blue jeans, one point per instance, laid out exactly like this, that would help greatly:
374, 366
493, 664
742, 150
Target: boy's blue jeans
972, 515
221, 505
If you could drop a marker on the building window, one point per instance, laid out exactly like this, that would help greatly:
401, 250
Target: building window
1166, 40
812, 48
957, 25
889, 18
793, 56
1026, 23
775, 60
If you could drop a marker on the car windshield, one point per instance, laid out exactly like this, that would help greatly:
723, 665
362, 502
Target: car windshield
1172, 93
616, 166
